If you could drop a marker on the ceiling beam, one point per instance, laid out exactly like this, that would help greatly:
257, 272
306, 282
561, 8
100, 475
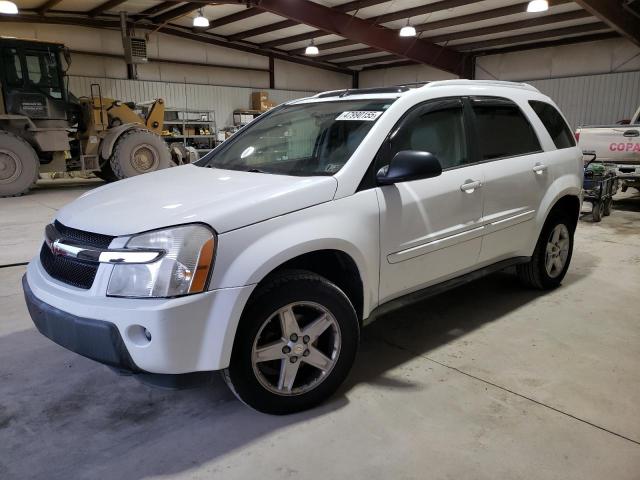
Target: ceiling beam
401, 63
176, 12
421, 10
532, 37
505, 27
362, 31
492, 14
377, 19
551, 43
234, 17
344, 8
103, 7
612, 13
325, 46
350, 53
272, 27
370, 60
160, 7
46, 6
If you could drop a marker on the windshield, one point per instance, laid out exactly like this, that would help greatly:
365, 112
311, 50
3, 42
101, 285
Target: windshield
304, 140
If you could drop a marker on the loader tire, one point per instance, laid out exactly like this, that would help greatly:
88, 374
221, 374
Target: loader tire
19, 165
137, 152
106, 172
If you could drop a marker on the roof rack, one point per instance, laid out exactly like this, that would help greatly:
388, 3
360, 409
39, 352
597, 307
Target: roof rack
362, 91
496, 83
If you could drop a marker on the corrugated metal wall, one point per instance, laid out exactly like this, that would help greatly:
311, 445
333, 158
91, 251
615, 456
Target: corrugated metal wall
594, 99
223, 100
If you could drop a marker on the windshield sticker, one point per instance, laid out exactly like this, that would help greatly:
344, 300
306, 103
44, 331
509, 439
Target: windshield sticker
362, 116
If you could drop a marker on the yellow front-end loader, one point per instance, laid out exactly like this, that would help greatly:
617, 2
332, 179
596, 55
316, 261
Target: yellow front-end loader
44, 128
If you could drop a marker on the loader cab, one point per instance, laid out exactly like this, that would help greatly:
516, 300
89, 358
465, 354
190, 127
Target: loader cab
32, 80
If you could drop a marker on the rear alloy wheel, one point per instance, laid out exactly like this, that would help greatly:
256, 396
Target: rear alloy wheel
137, 152
295, 344
552, 255
19, 165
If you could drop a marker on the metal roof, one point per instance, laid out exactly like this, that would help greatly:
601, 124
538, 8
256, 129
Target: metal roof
356, 35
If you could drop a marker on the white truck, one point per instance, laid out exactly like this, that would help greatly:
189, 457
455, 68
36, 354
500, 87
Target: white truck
617, 146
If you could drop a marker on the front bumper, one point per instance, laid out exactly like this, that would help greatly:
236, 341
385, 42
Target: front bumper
94, 339
189, 334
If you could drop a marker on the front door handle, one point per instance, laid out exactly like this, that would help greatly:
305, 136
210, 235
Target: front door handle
631, 133
469, 186
539, 168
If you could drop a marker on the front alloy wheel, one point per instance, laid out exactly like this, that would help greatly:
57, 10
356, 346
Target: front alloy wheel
295, 343
305, 349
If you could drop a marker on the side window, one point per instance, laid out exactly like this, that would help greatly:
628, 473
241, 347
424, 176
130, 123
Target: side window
437, 128
13, 69
503, 130
554, 123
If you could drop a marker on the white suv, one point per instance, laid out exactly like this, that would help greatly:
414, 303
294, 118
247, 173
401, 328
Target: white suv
266, 257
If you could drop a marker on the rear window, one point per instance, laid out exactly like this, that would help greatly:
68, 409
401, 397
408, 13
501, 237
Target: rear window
554, 123
503, 130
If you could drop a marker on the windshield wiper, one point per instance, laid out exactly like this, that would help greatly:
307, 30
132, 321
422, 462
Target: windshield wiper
256, 170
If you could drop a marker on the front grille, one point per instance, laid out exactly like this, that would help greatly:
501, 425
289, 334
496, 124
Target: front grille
69, 270
82, 237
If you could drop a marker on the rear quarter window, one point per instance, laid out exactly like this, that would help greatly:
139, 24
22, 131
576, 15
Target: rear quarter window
557, 128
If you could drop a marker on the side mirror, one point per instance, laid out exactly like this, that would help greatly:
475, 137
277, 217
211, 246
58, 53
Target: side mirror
409, 165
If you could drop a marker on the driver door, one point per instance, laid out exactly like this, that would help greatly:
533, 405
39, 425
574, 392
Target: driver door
430, 229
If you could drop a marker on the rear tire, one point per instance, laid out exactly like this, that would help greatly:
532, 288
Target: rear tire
280, 364
19, 165
137, 152
552, 255
106, 173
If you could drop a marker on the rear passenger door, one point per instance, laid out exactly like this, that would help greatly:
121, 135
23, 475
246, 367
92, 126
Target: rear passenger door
516, 177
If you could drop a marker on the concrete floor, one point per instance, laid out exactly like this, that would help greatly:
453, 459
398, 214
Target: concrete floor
488, 381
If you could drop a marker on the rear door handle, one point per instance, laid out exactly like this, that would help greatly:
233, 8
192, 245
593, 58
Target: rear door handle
470, 185
631, 133
539, 168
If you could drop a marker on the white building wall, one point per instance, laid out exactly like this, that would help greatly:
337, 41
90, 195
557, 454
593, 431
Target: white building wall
588, 58
184, 96
385, 77
592, 82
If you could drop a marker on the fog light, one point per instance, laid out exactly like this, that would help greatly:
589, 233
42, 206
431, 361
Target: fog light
139, 335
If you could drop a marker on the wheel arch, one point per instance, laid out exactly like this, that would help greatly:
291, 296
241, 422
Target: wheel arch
112, 136
336, 266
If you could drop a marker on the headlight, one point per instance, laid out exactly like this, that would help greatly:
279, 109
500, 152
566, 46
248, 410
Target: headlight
183, 269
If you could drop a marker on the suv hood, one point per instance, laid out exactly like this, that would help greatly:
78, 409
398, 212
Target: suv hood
223, 199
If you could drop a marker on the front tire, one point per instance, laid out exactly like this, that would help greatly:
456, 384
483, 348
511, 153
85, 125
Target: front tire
552, 255
19, 165
295, 344
137, 152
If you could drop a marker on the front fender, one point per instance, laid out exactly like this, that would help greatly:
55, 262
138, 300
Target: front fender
112, 136
350, 225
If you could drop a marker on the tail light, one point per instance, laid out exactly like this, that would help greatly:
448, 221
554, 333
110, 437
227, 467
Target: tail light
577, 134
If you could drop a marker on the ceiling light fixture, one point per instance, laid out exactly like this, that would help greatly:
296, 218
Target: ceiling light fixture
201, 21
311, 49
8, 8
535, 6
408, 30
